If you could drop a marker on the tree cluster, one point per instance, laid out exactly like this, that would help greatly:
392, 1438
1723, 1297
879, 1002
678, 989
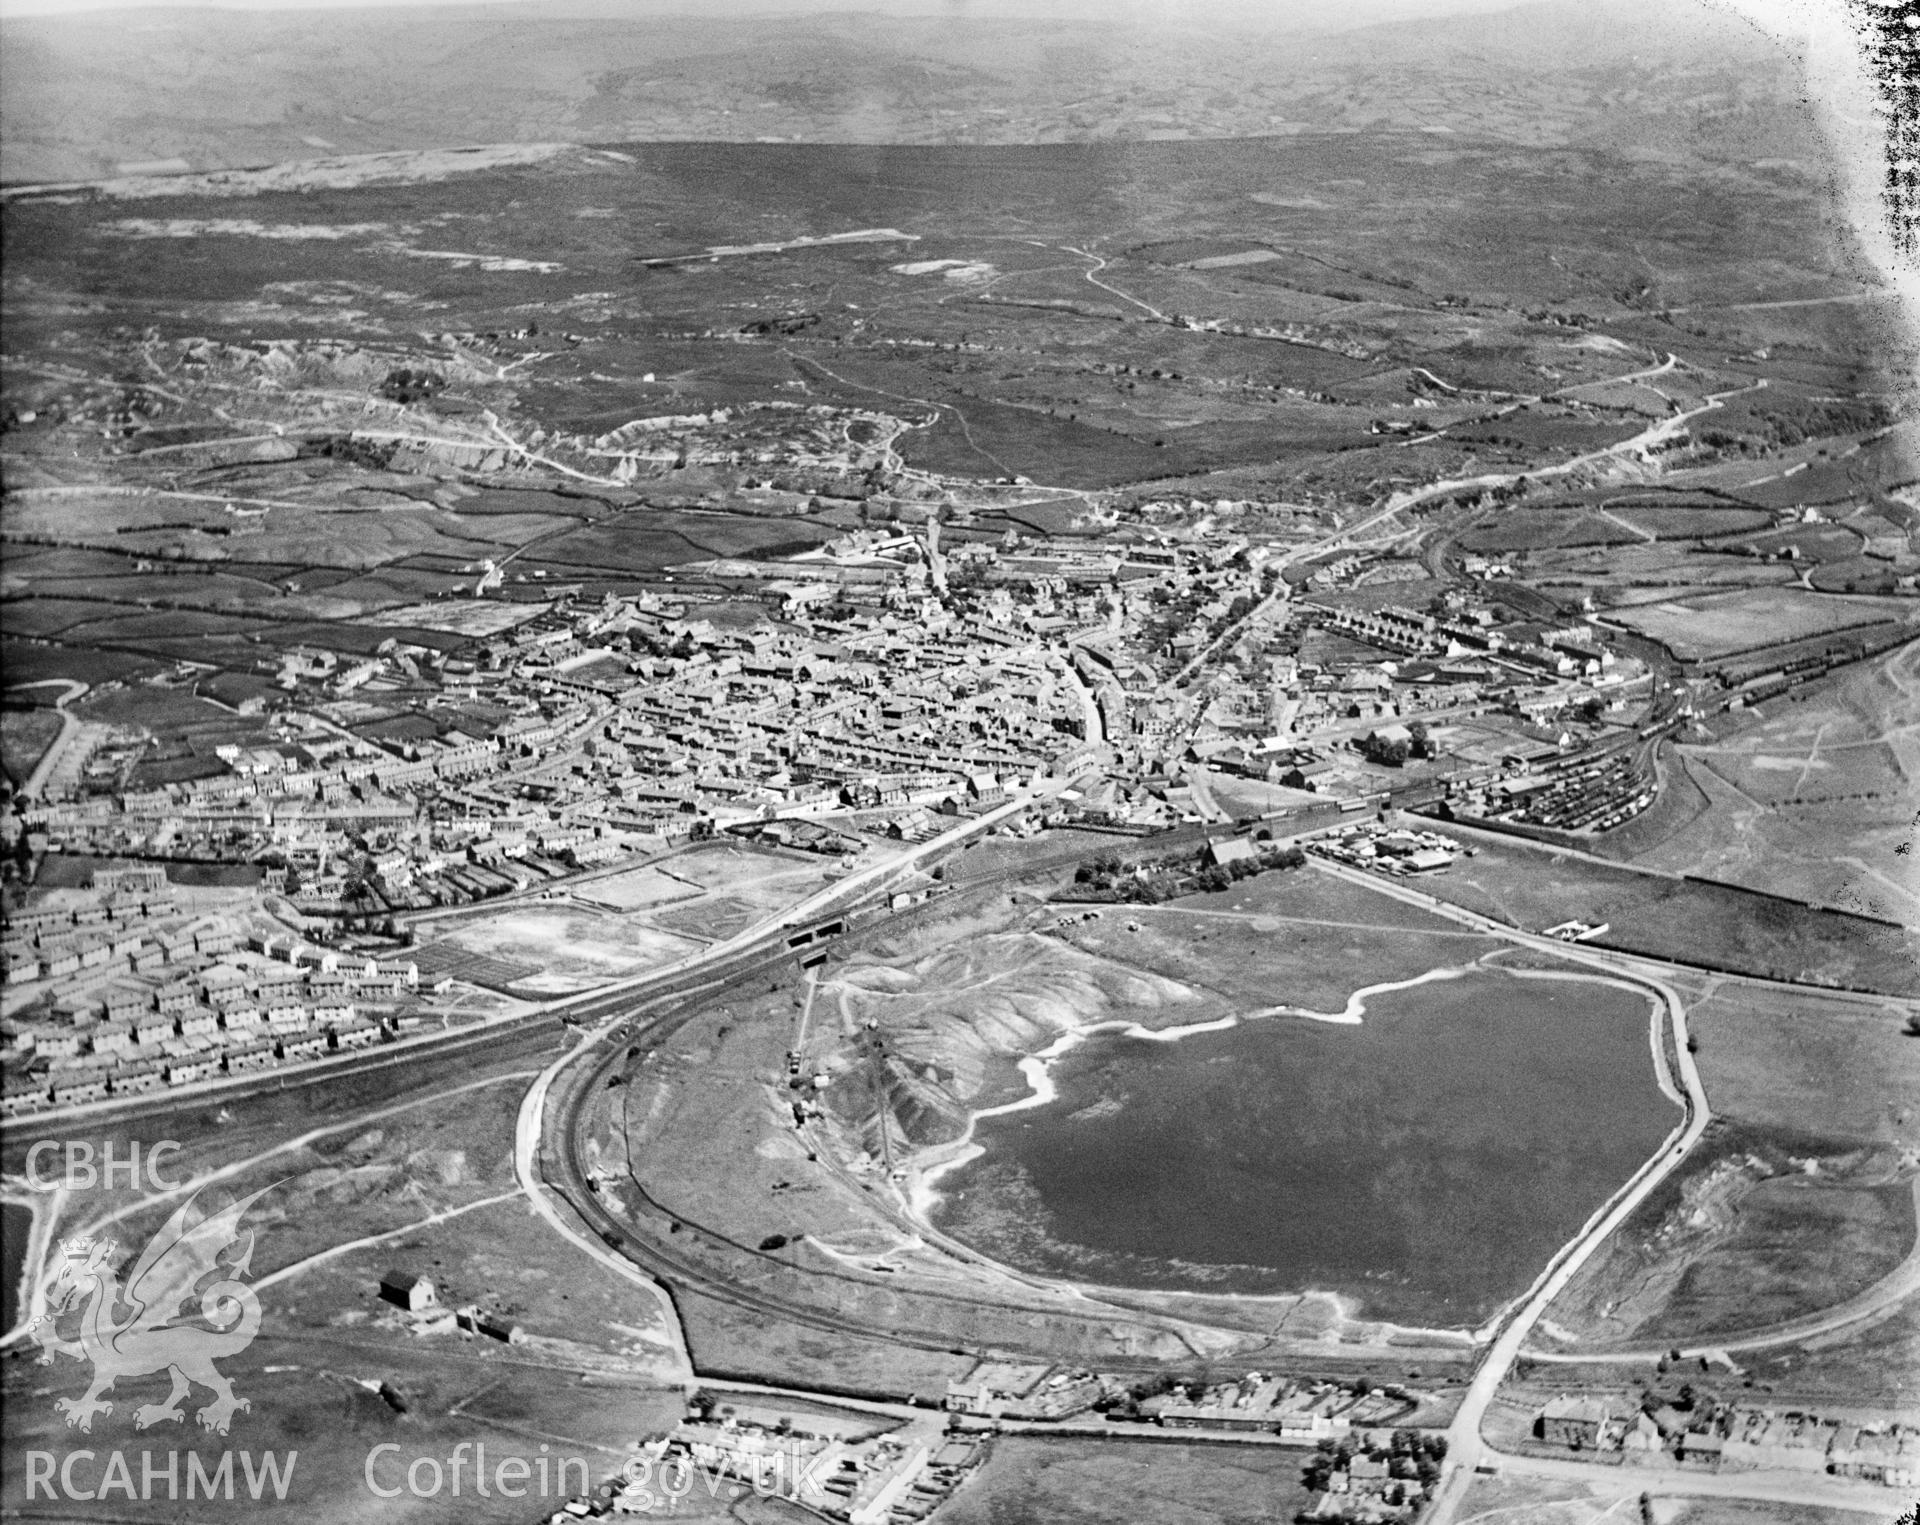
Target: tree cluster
404, 384
1410, 1456
1388, 753
1110, 876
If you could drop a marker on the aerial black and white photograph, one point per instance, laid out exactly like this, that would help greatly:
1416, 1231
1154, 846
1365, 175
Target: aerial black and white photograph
1001, 762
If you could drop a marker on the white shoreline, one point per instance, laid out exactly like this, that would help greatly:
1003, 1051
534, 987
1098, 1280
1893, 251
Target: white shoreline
923, 1195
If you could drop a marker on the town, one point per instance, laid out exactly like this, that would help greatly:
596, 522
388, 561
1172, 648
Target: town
886, 684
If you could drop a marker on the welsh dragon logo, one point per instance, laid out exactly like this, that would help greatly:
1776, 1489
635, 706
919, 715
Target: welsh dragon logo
142, 1328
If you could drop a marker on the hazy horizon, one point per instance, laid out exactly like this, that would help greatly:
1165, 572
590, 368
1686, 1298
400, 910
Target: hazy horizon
1316, 15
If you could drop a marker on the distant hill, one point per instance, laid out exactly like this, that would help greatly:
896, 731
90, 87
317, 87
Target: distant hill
91, 95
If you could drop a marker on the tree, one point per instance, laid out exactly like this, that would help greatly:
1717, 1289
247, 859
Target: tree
404, 385
1419, 744
1388, 753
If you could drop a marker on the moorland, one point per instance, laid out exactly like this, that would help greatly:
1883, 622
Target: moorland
1319, 466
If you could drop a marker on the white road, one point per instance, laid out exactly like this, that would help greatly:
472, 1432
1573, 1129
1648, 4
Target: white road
51, 759
1466, 1449
1902, 1282
532, 1120
332, 1252
48, 1208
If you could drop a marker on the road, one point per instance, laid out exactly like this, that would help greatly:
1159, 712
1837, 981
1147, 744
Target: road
545, 890
768, 934
1466, 1449
51, 759
1902, 1282
585, 1007
1669, 1482
301, 1267
1657, 433
1645, 374
53, 1205
1093, 275
611, 1005
526, 1169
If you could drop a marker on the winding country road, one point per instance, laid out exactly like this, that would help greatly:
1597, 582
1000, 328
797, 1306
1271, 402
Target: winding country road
1466, 1449
1902, 1282
69, 732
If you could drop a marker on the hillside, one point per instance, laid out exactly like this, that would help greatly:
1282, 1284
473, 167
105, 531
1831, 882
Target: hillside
82, 96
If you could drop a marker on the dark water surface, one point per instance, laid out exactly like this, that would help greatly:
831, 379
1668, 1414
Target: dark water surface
1428, 1162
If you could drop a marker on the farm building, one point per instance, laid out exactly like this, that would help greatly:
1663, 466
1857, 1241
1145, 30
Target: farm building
409, 1290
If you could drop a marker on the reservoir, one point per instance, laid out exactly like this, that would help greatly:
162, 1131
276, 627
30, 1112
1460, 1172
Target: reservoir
1426, 1163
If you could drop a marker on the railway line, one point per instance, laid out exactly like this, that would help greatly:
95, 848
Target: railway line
562, 1165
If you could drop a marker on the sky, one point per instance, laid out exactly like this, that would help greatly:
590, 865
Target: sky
1323, 14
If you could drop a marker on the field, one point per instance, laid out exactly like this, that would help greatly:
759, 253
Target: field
471, 617
1632, 574
384, 1153
1542, 1501
1102, 1482
728, 1341
1794, 1244
573, 949
1876, 1362
1784, 1059
1702, 628
1805, 795
1745, 1236
1668, 917
710, 892
25, 736
1675, 522
1547, 529
726, 869
653, 540
637, 889
1279, 939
